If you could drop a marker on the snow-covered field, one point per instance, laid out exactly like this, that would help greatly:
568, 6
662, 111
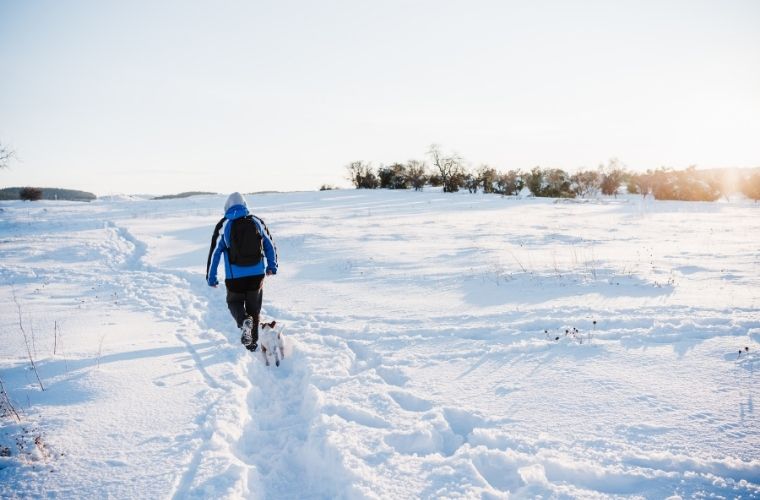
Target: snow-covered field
439, 346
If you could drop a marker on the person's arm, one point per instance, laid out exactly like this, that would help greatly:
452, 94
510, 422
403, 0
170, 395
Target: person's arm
270, 249
214, 255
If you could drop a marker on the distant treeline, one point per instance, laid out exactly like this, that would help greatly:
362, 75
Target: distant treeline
32, 193
449, 172
186, 194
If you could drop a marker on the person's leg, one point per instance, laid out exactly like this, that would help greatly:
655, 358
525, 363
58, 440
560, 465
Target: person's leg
253, 300
236, 305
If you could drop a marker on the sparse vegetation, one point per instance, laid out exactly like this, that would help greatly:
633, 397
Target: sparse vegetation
416, 174
640, 184
362, 175
393, 176
26, 341
552, 183
611, 177
586, 183
751, 186
450, 169
449, 172
509, 183
6, 407
684, 185
488, 178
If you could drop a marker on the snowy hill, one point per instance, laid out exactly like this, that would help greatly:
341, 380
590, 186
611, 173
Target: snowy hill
12, 193
439, 346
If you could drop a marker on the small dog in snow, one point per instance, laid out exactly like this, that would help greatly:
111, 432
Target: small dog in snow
271, 343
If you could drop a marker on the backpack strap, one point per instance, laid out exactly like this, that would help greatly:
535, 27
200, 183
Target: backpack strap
268, 235
214, 239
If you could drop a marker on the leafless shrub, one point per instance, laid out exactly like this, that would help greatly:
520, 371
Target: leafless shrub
6, 406
26, 340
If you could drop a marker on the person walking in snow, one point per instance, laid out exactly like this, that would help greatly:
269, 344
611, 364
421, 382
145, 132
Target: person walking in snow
249, 255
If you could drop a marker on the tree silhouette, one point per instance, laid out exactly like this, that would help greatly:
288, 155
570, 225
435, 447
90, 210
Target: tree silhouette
6, 155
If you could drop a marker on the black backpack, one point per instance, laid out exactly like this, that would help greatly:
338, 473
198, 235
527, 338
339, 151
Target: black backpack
245, 242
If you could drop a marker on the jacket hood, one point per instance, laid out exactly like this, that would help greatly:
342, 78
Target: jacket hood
235, 207
235, 199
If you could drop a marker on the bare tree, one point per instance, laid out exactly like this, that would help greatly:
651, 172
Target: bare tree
416, 173
611, 176
6, 155
450, 169
586, 183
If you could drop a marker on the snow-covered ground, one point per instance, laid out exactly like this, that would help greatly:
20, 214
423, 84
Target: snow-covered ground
439, 346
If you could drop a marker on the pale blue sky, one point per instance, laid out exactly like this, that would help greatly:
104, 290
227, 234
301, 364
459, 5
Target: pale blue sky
161, 96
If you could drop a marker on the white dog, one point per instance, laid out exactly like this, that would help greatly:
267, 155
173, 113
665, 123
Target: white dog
271, 343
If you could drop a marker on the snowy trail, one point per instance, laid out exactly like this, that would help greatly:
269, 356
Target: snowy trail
428, 354
215, 467
278, 443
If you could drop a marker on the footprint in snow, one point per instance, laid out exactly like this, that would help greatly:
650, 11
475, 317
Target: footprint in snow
410, 402
392, 376
503, 390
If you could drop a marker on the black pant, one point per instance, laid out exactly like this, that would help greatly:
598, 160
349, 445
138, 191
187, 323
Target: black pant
244, 298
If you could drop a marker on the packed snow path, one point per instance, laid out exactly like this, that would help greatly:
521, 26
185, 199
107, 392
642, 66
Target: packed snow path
439, 346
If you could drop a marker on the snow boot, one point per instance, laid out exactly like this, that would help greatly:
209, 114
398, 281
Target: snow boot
252, 346
245, 338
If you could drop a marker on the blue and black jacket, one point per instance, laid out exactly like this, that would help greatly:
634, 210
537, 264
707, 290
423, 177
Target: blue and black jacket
221, 248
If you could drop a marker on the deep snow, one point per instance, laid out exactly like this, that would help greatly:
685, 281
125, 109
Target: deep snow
422, 355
